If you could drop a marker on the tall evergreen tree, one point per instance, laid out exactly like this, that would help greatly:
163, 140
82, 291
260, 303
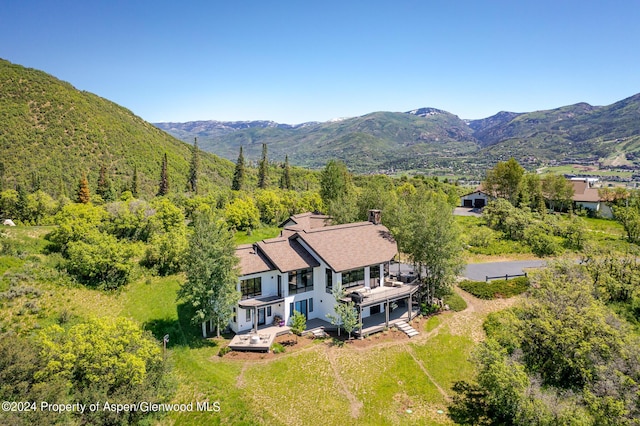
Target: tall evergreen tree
35, 181
21, 203
194, 169
263, 169
285, 180
84, 195
105, 186
134, 182
238, 174
163, 188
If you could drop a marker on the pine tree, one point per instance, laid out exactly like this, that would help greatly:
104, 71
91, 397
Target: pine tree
134, 182
105, 186
192, 184
285, 180
238, 174
84, 195
21, 204
35, 181
263, 169
163, 188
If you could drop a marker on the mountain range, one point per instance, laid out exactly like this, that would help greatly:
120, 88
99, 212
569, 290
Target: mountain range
430, 138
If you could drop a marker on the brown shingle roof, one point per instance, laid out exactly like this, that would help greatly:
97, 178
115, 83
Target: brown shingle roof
583, 192
252, 261
301, 221
287, 254
351, 246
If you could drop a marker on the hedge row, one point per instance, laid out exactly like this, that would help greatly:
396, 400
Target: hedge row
496, 289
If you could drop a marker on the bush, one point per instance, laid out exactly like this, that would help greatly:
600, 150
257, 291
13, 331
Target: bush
426, 309
277, 348
455, 302
541, 240
496, 289
223, 351
100, 261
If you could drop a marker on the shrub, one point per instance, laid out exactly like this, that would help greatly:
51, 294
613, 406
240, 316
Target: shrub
541, 240
496, 289
100, 261
277, 348
455, 302
426, 309
223, 351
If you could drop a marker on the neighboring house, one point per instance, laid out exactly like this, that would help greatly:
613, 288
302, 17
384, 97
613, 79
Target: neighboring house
297, 271
585, 196
476, 199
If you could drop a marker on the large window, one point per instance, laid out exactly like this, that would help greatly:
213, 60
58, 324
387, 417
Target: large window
374, 276
251, 287
353, 278
301, 281
329, 280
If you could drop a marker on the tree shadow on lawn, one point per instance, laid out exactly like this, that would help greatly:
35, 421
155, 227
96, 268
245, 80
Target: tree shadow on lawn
181, 331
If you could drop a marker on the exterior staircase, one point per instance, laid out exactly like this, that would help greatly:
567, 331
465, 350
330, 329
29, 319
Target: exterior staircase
406, 329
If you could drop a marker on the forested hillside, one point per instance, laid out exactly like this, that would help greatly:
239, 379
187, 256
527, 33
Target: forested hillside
52, 133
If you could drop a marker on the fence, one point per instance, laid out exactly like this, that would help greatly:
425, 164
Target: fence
506, 277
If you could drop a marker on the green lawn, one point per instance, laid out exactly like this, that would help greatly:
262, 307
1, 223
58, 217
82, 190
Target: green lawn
258, 234
385, 384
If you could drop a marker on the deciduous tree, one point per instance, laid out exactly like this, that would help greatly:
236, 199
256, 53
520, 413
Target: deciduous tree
558, 191
345, 313
432, 240
212, 273
504, 180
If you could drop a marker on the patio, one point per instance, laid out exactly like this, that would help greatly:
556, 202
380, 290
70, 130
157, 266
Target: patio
266, 335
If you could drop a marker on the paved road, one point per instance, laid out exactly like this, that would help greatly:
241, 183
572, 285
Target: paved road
479, 271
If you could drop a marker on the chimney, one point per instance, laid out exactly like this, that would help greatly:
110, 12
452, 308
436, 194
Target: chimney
375, 217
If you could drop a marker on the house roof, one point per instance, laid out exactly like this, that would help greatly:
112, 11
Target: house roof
584, 193
306, 221
252, 261
287, 254
477, 191
341, 247
350, 246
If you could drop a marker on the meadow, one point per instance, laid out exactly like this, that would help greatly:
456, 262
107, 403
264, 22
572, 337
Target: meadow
390, 382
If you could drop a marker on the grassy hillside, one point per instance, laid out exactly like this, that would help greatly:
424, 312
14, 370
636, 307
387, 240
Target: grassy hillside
50, 130
579, 131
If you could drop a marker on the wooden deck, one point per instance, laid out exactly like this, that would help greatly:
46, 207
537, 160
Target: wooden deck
376, 323
265, 337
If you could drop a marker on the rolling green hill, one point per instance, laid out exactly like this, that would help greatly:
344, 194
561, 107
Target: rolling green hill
52, 132
428, 138
380, 140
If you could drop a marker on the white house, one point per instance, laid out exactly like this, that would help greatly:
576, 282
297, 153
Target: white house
297, 271
585, 196
476, 199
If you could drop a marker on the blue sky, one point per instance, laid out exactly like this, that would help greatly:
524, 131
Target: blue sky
297, 61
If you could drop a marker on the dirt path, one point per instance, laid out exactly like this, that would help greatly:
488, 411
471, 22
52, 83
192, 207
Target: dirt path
426, 373
470, 320
354, 403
